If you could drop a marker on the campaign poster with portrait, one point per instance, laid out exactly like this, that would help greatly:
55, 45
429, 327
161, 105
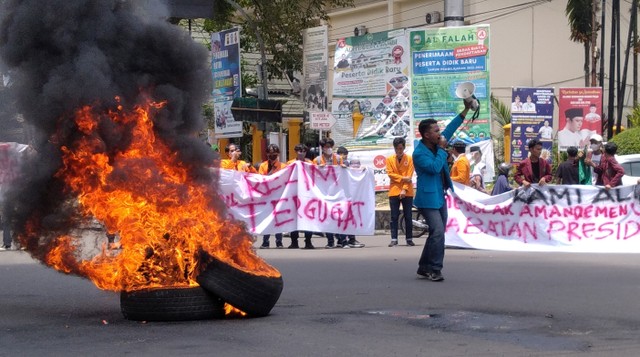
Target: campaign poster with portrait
227, 85
531, 117
443, 60
580, 116
371, 90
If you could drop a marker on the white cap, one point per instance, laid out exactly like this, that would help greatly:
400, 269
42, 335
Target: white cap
596, 137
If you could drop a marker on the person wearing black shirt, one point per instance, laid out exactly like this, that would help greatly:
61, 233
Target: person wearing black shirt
567, 173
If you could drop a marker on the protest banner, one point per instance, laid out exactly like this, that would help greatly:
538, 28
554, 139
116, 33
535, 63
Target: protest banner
302, 197
560, 218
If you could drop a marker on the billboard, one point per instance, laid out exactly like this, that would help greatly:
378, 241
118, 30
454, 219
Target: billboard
441, 60
227, 84
371, 90
580, 116
531, 117
314, 64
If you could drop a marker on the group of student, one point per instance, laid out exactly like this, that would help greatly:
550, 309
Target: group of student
597, 164
273, 165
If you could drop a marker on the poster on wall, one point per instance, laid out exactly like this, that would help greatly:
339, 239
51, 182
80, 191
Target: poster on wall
531, 117
371, 90
580, 116
225, 68
314, 92
442, 60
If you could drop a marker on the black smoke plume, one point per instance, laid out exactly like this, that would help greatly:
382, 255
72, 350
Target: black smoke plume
67, 54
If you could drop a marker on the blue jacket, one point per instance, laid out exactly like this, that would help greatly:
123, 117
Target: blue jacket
429, 167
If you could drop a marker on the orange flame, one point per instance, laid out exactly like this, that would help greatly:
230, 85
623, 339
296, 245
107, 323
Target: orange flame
144, 193
233, 312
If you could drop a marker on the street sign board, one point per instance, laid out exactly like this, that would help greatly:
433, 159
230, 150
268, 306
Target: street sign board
321, 120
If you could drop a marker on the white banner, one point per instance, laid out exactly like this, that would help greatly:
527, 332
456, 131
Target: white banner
303, 197
570, 218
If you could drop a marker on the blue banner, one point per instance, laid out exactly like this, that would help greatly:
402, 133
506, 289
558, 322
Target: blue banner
227, 85
531, 117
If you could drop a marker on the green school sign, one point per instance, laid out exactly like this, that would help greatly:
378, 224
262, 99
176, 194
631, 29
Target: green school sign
441, 60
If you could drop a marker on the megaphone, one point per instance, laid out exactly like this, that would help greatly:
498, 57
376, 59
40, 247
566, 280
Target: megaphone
465, 91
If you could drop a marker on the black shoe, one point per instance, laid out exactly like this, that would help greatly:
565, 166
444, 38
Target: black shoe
410, 243
293, 246
393, 243
264, 247
309, 246
356, 244
329, 246
279, 246
436, 276
423, 274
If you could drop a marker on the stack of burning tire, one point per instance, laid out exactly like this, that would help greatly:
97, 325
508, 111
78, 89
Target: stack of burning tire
220, 284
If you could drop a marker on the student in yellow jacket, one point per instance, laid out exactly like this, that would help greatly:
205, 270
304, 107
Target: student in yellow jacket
269, 167
461, 168
233, 162
400, 170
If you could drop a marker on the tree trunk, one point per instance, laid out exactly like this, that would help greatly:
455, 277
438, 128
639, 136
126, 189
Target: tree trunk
586, 63
594, 45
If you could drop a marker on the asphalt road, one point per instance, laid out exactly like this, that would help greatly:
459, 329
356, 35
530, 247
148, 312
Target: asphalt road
358, 302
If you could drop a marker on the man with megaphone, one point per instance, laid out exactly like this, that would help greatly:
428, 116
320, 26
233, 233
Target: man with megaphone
430, 162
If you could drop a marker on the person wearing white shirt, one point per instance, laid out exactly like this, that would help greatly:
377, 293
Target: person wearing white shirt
529, 106
546, 132
516, 106
595, 155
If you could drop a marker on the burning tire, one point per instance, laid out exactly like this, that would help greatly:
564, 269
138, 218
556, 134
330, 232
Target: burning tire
173, 304
254, 294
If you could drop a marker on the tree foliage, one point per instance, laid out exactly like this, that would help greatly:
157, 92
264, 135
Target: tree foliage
280, 23
634, 117
500, 115
500, 112
628, 141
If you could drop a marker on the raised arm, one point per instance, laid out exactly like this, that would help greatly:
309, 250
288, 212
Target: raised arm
456, 122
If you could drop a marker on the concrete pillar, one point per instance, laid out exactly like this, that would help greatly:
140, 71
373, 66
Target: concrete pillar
453, 13
507, 142
222, 143
256, 154
294, 136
